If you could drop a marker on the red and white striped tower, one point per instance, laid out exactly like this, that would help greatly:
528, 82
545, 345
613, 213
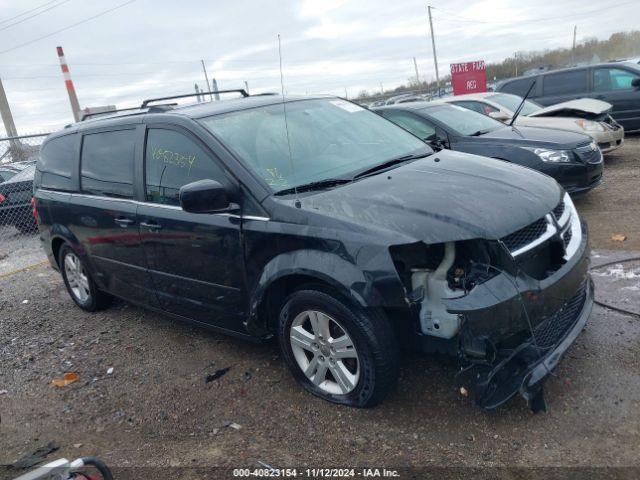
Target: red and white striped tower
73, 98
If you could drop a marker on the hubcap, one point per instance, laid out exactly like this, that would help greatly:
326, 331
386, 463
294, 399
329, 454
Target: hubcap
76, 277
324, 352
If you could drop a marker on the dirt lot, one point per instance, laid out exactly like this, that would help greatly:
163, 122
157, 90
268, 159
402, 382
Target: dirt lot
614, 207
157, 409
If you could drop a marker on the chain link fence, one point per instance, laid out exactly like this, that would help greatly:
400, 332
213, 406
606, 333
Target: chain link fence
18, 156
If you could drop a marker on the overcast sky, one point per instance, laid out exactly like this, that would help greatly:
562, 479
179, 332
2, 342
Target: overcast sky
151, 48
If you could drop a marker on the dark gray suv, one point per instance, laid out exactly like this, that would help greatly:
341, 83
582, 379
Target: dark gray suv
617, 83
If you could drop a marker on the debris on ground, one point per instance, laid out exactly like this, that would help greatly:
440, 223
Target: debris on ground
618, 237
67, 379
217, 374
233, 425
4, 392
464, 392
77, 445
109, 370
25, 302
34, 458
246, 376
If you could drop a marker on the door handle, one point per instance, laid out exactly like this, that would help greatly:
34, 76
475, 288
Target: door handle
151, 225
124, 222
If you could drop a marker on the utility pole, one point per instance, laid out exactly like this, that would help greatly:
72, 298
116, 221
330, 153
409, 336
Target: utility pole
433, 45
7, 119
73, 98
381, 89
206, 77
415, 65
515, 60
195, 85
346, 95
246, 86
573, 48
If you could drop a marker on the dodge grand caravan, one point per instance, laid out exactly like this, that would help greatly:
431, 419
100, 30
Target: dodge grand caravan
324, 225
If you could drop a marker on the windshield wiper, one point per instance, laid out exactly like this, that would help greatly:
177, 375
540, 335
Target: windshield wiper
319, 185
390, 163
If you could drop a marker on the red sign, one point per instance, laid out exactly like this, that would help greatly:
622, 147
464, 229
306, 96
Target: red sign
470, 77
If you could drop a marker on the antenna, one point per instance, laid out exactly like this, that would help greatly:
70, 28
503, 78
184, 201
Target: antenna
286, 124
519, 109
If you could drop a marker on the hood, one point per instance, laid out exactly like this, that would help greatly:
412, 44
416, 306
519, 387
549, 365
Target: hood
584, 105
534, 137
447, 196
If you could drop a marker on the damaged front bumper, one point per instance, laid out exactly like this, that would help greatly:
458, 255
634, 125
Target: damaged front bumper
515, 329
524, 369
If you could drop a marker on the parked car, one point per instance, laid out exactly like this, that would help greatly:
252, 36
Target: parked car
326, 226
585, 115
617, 83
573, 159
15, 200
7, 171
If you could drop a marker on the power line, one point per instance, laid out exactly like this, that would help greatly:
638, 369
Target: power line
28, 11
67, 27
34, 15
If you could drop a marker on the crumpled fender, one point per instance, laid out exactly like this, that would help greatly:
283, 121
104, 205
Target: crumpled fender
362, 286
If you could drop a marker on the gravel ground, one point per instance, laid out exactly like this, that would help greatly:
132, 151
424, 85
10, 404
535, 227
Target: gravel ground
157, 409
614, 206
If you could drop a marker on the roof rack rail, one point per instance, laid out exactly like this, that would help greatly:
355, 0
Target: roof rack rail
151, 109
241, 91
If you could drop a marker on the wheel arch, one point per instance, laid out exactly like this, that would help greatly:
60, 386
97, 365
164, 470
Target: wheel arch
295, 270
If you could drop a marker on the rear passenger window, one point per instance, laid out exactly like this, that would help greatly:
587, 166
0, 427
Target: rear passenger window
605, 79
574, 81
106, 166
58, 158
518, 87
173, 160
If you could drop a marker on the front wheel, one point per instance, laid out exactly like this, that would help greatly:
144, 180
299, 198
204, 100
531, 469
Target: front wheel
338, 352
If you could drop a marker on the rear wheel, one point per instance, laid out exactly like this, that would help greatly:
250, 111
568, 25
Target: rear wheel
337, 352
79, 283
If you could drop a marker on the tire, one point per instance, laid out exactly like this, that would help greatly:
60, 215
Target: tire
372, 374
80, 286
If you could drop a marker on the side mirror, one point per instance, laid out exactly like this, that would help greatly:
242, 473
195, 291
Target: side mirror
436, 143
635, 83
205, 196
502, 116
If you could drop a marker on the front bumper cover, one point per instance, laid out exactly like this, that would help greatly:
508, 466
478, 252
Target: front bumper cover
524, 369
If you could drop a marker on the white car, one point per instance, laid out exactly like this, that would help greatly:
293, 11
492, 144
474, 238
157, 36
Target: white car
584, 115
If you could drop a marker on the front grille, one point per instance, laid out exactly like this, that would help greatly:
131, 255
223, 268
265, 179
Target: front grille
559, 210
553, 329
526, 235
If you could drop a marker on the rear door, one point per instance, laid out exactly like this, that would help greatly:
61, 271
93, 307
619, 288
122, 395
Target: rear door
564, 86
195, 260
613, 85
103, 215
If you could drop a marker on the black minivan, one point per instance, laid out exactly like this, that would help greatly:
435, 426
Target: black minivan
322, 224
617, 83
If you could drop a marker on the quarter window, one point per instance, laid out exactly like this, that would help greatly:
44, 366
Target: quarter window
605, 79
107, 163
57, 159
572, 81
173, 160
479, 107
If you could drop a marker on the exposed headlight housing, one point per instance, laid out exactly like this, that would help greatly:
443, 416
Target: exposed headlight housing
551, 156
590, 126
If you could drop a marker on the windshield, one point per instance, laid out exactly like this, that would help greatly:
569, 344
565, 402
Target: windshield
512, 102
329, 138
463, 120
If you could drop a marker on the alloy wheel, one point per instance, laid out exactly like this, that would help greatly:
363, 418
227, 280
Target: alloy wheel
325, 352
77, 277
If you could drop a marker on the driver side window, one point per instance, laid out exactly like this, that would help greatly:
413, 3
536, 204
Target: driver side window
172, 160
421, 128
